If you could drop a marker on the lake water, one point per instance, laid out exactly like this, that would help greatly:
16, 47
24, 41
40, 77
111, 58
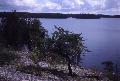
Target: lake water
102, 37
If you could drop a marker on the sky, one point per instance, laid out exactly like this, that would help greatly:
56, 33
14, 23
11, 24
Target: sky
62, 6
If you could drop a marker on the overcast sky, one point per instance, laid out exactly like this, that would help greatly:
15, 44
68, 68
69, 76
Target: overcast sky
64, 6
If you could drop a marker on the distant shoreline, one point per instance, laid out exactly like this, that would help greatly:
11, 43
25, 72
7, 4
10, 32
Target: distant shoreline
58, 15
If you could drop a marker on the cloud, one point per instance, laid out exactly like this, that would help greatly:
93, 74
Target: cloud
112, 4
72, 3
51, 5
18, 4
65, 6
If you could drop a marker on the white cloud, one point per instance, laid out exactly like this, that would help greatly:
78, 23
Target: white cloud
78, 6
51, 5
97, 4
35, 5
79, 2
67, 4
25, 2
72, 3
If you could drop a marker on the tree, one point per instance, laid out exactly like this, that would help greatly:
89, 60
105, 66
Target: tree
19, 31
37, 40
68, 45
14, 30
9, 25
37, 34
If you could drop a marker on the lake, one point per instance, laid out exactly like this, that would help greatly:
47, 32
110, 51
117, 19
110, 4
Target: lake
102, 37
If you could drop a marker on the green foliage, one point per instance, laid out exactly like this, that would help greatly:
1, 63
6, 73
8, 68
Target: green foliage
14, 30
37, 40
62, 45
6, 57
68, 45
9, 29
18, 31
37, 34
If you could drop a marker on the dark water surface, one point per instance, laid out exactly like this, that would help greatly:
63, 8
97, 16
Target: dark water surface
102, 37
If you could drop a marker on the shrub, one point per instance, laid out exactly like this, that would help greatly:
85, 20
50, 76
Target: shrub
6, 57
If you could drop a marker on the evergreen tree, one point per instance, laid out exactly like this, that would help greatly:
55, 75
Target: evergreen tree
19, 31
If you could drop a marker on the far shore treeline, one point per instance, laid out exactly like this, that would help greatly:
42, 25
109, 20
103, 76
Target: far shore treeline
59, 15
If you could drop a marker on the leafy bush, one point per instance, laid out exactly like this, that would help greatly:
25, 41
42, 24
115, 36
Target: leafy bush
6, 57
68, 45
62, 46
19, 31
